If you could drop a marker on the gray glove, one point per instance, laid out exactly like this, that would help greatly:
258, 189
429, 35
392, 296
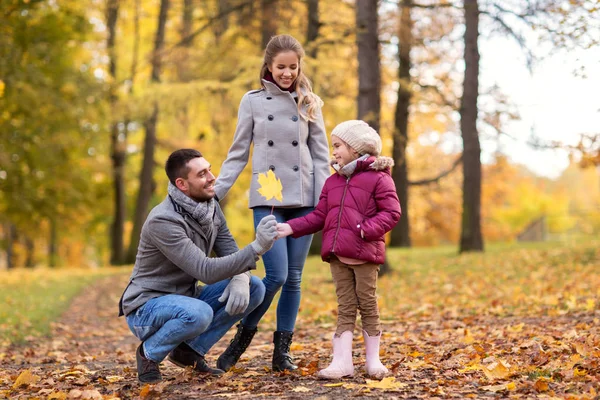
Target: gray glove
237, 294
266, 234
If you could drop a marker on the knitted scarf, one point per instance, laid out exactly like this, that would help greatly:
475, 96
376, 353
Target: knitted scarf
202, 212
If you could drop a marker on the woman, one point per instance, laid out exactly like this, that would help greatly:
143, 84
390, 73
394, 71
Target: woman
283, 121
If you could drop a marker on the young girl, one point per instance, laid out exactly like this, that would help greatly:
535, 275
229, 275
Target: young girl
283, 120
357, 207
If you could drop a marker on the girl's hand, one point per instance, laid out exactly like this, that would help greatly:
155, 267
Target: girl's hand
283, 230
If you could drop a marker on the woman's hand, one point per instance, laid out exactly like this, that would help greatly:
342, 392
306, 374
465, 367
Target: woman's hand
283, 230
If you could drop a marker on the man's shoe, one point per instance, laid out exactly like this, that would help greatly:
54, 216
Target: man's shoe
148, 371
184, 356
236, 348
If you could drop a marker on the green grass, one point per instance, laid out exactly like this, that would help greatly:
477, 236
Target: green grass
30, 299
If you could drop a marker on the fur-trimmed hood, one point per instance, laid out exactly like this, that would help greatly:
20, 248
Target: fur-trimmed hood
380, 163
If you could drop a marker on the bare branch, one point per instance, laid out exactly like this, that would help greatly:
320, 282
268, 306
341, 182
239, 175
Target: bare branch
421, 182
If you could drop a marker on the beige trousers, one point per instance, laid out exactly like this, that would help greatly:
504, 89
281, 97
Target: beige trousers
355, 286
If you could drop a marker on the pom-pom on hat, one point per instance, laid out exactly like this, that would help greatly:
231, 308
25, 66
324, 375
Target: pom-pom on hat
360, 136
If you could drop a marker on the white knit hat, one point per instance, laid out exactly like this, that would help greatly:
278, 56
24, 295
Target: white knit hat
360, 136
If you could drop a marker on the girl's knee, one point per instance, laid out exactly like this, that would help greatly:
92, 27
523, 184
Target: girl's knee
274, 282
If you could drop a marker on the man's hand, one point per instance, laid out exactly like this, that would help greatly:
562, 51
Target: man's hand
283, 230
266, 234
237, 294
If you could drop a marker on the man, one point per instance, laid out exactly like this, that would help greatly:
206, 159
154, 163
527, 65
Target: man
163, 304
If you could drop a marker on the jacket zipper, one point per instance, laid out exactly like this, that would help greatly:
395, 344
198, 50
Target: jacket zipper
340, 215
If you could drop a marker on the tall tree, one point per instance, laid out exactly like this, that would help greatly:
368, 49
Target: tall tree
146, 180
312, 28
471, 238
268, 20
369, 71
401, 232
117, 141
221, 26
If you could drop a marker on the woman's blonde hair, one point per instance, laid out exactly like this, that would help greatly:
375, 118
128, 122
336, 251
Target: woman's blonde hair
306, 97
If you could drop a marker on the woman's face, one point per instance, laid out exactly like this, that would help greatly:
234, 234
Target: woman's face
284, 68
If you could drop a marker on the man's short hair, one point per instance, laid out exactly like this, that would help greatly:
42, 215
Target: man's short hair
176, 165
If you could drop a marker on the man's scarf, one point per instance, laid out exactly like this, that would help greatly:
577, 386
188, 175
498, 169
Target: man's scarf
202, 212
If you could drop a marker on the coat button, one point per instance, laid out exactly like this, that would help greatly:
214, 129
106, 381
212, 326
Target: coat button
272, 167
295, 143
295, 168
269, 98
270, 143
294, 118
271, 117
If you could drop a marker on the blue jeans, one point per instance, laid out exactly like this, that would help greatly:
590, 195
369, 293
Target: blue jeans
283, 267
164, 322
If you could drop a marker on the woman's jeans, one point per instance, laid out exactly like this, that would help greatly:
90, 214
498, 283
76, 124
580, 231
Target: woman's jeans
283, 267
164, 322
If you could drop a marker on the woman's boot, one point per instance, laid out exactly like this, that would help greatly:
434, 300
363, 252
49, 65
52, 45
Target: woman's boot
375, 369
282, 360
342, 365
236, 348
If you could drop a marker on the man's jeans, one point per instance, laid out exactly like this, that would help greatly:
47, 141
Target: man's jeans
164, 322
283, 267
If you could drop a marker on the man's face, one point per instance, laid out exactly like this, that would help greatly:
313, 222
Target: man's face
200, 182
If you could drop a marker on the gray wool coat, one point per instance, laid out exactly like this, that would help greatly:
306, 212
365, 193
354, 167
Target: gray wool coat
295, 149
173, 256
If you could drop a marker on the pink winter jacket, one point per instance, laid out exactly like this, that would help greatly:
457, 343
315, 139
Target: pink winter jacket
366, 200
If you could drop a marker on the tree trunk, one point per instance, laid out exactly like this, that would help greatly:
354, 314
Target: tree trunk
401, 232
222, 25
369, 72
11, 236
30, 252
268, 20
471, 238
147, 184
53, 244
312, 30
117, 142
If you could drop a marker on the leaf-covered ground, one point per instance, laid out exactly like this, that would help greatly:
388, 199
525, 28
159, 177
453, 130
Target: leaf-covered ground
515, 322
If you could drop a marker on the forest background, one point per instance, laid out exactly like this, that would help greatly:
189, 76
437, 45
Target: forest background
94, 95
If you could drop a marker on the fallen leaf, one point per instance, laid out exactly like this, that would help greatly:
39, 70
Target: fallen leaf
388, 383
270, 186
541, 385
25, 378
57, 396
334, 384
301, 389
496, 370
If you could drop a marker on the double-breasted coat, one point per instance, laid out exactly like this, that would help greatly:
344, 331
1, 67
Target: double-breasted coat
295, 149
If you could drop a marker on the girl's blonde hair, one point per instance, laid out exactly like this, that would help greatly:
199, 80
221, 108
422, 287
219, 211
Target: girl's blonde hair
306, 97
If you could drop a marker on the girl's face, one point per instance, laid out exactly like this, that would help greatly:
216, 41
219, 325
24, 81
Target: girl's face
284, 68
342, 153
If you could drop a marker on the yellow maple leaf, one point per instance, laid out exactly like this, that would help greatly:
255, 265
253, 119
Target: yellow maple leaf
270, 186
496, 370
386, 383
2, 85
26, 378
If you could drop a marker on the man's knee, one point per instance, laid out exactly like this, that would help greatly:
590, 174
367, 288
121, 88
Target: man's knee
257, 292
198, 317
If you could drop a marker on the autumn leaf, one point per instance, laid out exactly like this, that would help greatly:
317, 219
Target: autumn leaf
301, 389
270, 186
388, 383
25, 378
2, 85
496, 370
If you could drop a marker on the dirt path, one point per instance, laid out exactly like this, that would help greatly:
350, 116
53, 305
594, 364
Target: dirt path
91, 356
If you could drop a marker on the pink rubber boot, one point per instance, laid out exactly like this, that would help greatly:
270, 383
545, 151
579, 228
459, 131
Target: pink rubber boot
341, 366
375, 369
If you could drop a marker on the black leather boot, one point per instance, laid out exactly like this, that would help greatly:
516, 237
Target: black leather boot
184, 356
236, 348
282, 360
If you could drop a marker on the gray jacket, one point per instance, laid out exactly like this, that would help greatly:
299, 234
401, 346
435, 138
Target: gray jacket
173, 256
295, 149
